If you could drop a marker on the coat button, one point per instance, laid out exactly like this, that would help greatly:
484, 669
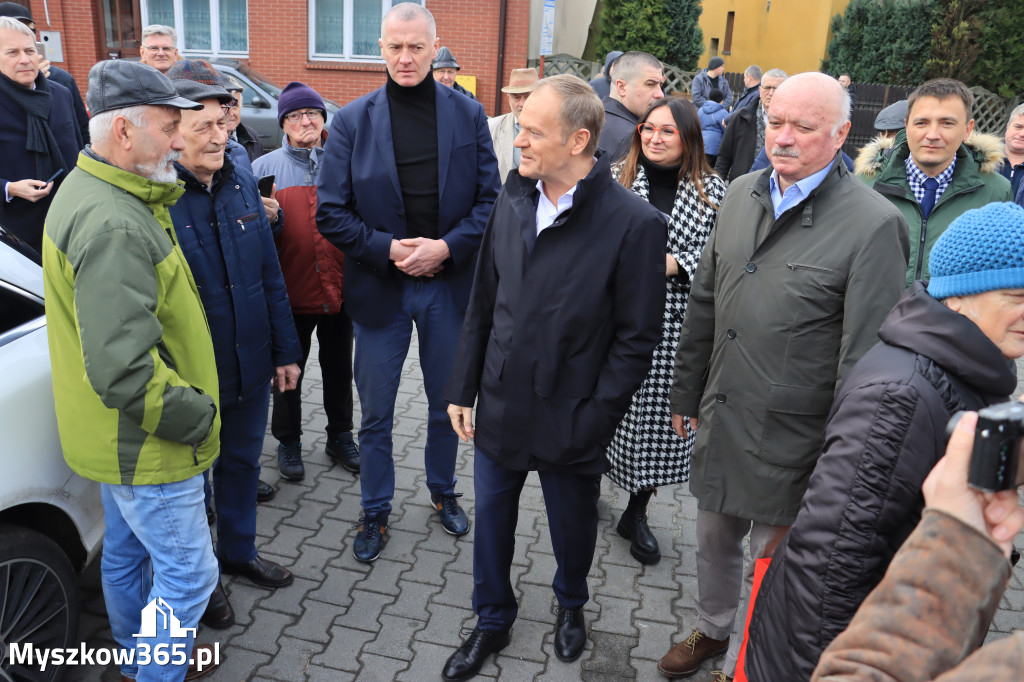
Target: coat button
719, 397
751, 267
731, 333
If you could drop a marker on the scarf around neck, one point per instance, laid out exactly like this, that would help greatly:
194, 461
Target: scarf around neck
39, 141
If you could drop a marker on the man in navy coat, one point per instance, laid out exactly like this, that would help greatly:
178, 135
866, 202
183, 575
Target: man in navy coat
409, 178
562, 325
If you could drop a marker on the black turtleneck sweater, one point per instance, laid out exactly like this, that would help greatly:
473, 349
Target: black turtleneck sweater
663, 182
414, 132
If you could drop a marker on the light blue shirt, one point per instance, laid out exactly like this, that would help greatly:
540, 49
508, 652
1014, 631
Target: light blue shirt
548, 212
796, 192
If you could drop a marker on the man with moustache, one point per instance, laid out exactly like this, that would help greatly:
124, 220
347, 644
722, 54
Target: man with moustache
225, 235
134, 375
409, 178
802, 267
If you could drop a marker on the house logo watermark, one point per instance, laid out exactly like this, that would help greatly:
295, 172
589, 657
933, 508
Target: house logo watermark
158, 620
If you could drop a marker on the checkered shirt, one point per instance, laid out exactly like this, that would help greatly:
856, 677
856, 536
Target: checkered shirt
916, 178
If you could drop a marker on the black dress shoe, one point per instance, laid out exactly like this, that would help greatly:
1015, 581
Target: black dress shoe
469, 658
570, 634
260, 571
219, 614
265, 492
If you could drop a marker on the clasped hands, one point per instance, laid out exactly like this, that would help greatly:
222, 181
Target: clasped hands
419, 256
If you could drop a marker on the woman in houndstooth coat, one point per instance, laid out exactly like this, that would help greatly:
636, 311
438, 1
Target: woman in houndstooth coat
667, 167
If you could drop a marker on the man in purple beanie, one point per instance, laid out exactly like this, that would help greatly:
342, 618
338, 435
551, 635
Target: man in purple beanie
312, 269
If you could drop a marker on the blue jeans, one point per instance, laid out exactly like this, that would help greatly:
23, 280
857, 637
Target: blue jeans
157, 546
380, 352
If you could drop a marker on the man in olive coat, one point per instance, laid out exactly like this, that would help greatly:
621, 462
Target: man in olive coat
804, 264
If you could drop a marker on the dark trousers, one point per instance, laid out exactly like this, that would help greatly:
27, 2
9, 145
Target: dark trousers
243, 424
571, 503
334, 333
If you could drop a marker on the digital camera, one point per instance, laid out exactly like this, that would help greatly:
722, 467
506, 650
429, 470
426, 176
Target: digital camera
996, 461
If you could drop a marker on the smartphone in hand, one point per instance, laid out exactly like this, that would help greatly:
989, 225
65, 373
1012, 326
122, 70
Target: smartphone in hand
266, 185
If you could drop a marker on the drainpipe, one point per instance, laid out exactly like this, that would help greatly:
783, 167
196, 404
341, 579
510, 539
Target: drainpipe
501, 56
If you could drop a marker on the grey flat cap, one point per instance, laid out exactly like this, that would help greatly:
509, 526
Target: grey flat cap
445, 60
893, 117
196, 91
117, 84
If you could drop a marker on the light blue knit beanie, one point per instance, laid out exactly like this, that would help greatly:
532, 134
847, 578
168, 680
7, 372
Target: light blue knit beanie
982, 250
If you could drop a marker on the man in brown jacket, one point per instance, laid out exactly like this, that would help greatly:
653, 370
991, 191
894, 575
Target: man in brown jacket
803, 266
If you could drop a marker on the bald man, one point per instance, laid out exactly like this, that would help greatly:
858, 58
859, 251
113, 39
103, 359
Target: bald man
774, 322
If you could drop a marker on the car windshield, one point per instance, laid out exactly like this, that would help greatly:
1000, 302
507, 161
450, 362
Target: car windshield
260, 80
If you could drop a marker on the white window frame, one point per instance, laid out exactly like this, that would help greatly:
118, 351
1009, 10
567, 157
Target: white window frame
346, 34
179, 28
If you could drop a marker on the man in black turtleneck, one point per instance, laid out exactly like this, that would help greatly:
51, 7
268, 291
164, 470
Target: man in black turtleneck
407, 184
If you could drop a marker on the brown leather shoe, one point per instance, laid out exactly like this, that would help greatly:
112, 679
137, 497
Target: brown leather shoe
219, 614
684, 659
193, 673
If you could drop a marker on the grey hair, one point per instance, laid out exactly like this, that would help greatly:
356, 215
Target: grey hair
12, 24
630, 66
580, 107
101, 125
1017, 111
775, 73
754, 71
844, 109
159, 30
409, 11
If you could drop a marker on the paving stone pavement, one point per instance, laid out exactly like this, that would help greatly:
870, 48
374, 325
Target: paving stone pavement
400, 617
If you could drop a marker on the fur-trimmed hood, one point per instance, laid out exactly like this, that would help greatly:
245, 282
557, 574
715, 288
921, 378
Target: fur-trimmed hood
987, 150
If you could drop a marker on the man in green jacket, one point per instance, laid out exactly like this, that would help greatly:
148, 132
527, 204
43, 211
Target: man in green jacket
936, 169
134, 375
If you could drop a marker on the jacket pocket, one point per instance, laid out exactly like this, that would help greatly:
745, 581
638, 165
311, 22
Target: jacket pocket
794, 425
566, 381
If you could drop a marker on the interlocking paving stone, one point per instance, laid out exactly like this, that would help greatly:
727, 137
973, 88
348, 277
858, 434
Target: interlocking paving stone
402, 616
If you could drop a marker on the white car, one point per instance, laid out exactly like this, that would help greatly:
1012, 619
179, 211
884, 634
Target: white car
51, 519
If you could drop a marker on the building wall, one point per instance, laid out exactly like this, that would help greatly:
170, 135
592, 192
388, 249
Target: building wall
279, 44
572, 26
788, 34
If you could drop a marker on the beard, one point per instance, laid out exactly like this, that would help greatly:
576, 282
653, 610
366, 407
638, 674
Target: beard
160, 171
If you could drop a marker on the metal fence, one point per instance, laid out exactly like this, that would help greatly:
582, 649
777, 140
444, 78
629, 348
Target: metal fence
990, 110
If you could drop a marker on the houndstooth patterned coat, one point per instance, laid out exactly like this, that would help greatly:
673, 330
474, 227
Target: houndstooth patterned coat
646, 452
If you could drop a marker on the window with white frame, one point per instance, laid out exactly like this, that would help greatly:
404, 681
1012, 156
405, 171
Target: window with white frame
207, 27
347, 29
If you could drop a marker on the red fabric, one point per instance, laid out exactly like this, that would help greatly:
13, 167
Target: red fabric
311, 265
760, 568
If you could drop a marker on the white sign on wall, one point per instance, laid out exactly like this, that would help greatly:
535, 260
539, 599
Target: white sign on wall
547, 28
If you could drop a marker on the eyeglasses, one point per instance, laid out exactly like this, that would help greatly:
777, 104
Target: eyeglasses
296, 116
231, 105
647, 131
160, 49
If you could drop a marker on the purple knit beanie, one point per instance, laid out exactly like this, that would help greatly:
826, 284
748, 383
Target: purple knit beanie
298, 96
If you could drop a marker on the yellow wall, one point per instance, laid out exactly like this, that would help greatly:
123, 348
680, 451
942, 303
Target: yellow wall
786, 34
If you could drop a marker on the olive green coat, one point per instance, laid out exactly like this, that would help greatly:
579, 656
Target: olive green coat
779, 311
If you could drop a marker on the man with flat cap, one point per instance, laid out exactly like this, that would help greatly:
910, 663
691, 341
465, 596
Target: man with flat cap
225, 235
504, 128
134, 375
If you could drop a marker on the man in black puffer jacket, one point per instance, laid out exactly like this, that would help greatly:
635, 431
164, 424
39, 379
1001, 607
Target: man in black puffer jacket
945, 348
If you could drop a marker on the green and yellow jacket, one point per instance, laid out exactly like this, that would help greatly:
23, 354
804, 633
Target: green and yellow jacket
134, 376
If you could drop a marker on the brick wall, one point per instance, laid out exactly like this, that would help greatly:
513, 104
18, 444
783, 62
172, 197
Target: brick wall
278, 44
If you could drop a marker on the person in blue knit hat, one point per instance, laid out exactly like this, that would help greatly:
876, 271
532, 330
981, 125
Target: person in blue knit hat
946, 346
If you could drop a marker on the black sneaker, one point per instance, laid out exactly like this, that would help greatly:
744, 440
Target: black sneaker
371, 538
344, 451
289, 461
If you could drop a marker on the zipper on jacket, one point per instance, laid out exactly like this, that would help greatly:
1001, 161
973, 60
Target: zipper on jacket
801, 266
920, 248
195, 454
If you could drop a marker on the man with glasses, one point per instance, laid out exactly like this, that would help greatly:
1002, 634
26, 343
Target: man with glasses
159, 47
744, 131
312, 269
238, 132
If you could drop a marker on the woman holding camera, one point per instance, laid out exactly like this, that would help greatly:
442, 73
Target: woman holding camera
666, 166
946, 346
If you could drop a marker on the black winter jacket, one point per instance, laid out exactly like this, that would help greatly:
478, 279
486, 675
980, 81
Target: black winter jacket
885, 433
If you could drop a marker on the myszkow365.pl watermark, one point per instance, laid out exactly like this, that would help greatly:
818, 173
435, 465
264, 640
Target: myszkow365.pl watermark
157, 615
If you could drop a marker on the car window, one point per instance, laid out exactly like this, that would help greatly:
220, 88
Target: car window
260, 81
16, 308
